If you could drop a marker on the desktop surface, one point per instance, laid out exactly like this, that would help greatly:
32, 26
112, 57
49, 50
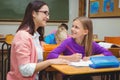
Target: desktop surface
72, 70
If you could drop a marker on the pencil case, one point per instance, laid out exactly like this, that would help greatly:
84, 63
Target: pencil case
104, 62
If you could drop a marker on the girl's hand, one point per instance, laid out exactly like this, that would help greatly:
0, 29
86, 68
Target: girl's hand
86, 58
75, 57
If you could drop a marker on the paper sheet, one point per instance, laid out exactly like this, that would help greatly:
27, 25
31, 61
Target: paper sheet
81, 63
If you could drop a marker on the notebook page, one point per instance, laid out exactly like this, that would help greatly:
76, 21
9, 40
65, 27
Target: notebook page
81, 63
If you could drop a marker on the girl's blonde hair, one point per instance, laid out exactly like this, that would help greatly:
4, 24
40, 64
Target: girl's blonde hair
87, 41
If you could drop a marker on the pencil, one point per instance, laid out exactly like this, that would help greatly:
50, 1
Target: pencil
70, 49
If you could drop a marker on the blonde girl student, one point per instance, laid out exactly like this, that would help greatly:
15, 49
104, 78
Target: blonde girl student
80, 45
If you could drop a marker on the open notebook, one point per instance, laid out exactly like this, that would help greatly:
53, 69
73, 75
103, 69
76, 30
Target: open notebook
81, 63
98, 62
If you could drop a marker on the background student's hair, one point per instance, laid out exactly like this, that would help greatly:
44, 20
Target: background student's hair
28, 18
64, 25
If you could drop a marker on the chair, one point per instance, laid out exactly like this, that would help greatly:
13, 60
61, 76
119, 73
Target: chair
6, 49
112, 39
48, 48
115, 51
49, 72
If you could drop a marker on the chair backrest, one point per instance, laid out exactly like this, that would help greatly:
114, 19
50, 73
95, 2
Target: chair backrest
9, 59
6, 46
48, 48
9, 38
45, 54
112, 39
115, 51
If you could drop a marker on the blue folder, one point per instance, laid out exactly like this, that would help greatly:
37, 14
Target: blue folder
104, 62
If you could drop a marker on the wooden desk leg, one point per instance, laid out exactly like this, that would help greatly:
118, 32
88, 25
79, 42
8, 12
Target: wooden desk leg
103, 77
66, 77
49, 75
2, 75
44, 75
2, 66
116, 76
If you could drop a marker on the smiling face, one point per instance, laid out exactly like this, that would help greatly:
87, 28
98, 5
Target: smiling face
82, 32
41, 16
77, 31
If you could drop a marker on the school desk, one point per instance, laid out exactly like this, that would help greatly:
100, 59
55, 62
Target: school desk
81, 71
70, 70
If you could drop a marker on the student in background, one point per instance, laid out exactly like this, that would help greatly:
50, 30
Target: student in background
57, 36
26, 52
80, 45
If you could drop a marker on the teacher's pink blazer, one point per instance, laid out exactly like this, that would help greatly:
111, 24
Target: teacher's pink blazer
22, 52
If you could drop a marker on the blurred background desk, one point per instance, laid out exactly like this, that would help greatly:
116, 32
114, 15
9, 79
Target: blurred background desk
98, 40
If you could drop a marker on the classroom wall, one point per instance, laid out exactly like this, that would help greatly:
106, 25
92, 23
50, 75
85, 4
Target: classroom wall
6, 28
105, 26
102, 26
